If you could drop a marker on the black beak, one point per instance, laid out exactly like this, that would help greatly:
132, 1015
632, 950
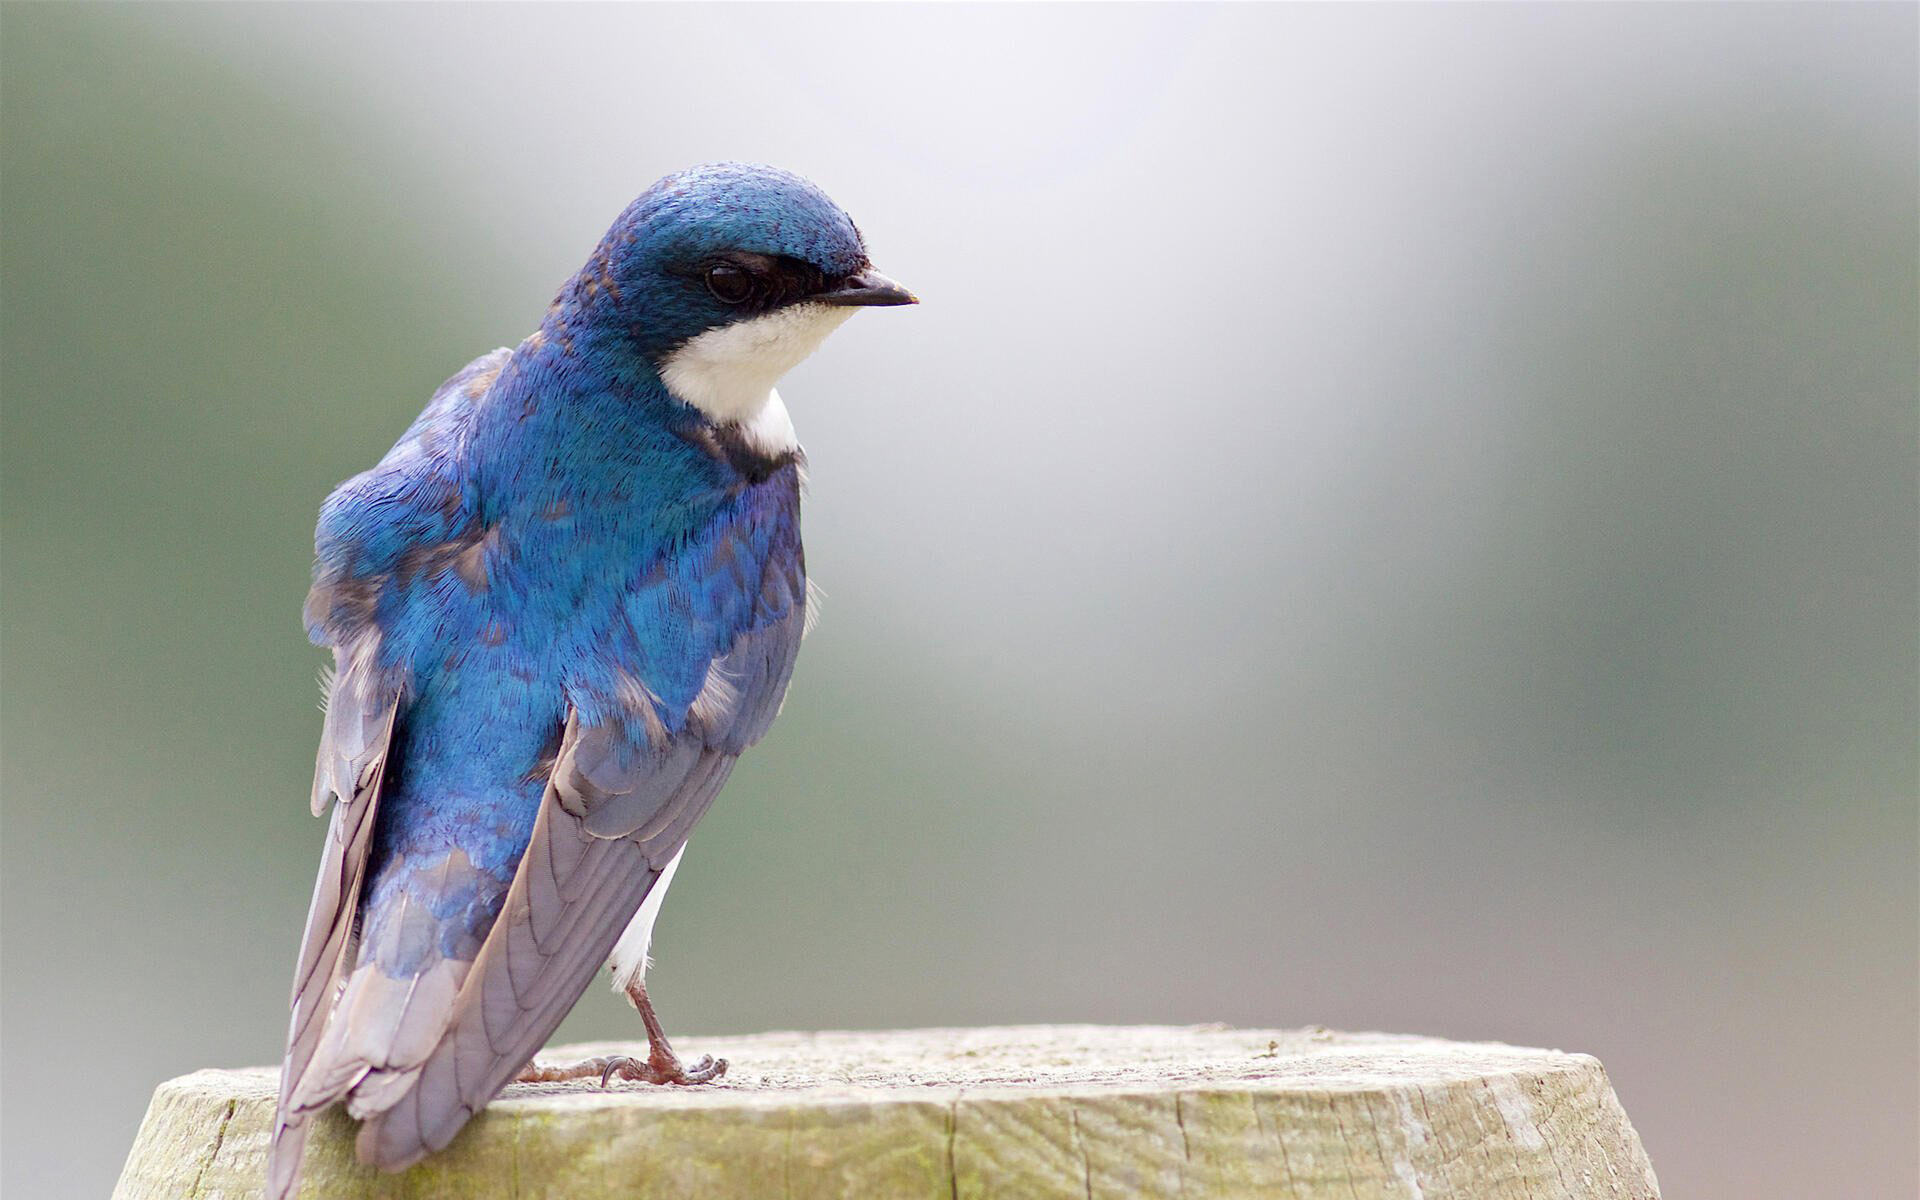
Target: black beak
868, 287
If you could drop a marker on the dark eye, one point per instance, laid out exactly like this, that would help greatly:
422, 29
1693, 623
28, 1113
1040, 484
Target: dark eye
730, 284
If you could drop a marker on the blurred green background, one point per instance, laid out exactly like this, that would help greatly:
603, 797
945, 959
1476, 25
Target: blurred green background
1389, 517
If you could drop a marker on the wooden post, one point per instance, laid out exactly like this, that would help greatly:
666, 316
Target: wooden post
1026, 1113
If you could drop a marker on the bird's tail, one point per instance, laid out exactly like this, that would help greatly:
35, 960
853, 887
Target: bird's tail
283, 1160
368, 1053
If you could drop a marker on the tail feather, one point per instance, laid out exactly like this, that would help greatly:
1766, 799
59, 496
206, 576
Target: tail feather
283, 1162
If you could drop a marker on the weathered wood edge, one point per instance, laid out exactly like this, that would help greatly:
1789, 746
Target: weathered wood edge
1315, 1114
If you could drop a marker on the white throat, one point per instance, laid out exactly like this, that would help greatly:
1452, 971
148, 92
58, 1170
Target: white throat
729, 373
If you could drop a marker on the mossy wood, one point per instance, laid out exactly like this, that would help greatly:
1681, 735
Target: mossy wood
1025, 1113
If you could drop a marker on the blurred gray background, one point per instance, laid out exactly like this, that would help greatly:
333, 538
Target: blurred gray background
1396, 518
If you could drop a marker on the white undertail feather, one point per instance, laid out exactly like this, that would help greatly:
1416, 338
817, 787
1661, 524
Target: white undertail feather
629, 962
815, 596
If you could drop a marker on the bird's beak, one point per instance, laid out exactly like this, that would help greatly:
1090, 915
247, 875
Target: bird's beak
868, 287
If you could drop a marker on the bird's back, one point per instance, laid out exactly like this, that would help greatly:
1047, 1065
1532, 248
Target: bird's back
487, 609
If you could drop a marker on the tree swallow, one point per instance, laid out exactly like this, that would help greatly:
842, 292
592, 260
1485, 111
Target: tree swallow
559, 608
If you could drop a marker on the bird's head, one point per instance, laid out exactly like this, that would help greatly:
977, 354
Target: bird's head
726, 276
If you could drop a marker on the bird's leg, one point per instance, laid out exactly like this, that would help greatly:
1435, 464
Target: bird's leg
662, 1064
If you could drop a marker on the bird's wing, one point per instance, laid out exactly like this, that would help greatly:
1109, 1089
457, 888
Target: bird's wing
364, 524
636, 769
352, 766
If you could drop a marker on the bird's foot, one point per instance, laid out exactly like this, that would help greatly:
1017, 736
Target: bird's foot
661, 1066
657, 1067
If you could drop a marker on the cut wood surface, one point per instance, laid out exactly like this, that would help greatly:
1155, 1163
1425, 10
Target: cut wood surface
1030, 1112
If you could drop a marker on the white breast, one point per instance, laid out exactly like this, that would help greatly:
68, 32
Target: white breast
729, 373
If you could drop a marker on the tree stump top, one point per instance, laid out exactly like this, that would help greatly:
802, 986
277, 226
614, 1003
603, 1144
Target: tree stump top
1031, 1111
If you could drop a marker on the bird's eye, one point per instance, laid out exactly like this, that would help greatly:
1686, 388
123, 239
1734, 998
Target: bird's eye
729, 284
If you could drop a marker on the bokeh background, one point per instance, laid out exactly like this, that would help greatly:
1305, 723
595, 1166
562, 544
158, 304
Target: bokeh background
1388, 517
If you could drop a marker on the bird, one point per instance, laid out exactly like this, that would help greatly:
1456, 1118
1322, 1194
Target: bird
560, 608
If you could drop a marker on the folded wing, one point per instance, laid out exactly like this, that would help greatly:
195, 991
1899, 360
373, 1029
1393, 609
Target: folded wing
623, 797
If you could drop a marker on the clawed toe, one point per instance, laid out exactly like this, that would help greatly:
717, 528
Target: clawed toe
661, 1069
706, 1070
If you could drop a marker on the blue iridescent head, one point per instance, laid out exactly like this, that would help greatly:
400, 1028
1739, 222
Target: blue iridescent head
724, 276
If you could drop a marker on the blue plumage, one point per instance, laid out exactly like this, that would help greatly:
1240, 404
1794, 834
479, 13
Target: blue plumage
559, 607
